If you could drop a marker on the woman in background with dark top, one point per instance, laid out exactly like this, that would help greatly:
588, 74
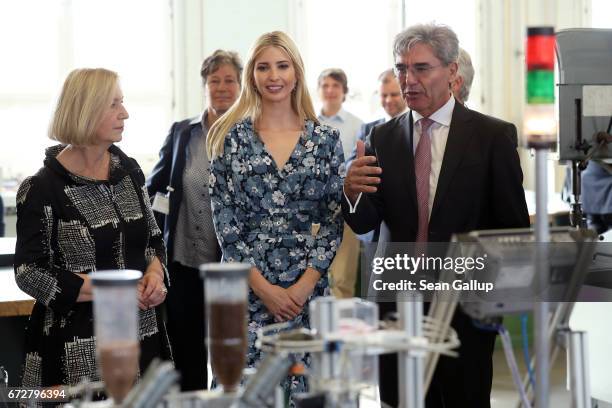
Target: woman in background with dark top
188, 229
85, 210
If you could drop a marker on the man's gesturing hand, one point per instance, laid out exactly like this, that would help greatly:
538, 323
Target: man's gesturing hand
362, 176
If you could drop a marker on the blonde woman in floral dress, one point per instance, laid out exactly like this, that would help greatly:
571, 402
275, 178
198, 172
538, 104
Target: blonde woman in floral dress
276, 185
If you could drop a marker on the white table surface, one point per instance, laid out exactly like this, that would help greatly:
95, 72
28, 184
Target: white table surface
13, 302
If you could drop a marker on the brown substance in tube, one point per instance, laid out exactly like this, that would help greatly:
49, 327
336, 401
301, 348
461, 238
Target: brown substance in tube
119, 367
227, 341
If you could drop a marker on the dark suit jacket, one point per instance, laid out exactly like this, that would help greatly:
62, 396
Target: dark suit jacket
169, 172
480, 187
480, 183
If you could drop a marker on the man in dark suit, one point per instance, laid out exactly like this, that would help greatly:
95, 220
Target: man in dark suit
392, 100
442, 169
393, 103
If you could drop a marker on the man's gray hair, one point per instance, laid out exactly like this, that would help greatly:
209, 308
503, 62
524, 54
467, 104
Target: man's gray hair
465, 71
442, 39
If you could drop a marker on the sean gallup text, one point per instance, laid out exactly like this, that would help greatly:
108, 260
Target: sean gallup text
425, 285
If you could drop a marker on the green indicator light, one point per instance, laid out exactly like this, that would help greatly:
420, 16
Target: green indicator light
540, 86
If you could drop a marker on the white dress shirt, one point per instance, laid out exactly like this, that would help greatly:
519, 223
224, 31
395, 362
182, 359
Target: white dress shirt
439, 136
348, 125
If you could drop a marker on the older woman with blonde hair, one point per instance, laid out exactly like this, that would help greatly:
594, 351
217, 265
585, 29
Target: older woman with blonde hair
276, 188
86, 209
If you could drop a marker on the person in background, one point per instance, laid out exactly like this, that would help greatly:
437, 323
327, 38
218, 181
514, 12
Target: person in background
596, 182
85, 210
333, 88
462, 84
276, 186
393, 103
440, 170
391, 100
182, 172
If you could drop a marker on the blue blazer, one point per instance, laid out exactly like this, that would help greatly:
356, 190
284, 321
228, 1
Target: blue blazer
169, 172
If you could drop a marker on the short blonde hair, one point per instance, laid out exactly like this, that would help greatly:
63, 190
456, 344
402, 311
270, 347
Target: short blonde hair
86, 93
249, 101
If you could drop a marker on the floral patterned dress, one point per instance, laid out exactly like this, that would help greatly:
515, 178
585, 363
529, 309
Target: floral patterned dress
280, 220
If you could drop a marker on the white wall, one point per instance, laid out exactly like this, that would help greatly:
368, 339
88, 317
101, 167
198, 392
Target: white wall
202, 26
503, 25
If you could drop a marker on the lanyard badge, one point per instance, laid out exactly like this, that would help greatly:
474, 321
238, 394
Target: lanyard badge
161, 202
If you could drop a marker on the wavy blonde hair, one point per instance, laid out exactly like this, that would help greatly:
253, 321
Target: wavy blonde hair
86, 94
249, 101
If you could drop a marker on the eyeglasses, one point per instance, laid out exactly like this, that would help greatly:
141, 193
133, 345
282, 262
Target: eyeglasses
417, 70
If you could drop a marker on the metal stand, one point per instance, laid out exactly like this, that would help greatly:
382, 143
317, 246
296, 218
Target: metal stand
540, 312
542, 236
411, 363
324, 320
577, 218
578, 368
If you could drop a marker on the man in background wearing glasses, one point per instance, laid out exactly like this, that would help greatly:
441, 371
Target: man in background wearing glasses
444, 169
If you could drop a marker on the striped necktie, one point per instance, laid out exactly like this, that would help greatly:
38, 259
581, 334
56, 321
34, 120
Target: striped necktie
422, 170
